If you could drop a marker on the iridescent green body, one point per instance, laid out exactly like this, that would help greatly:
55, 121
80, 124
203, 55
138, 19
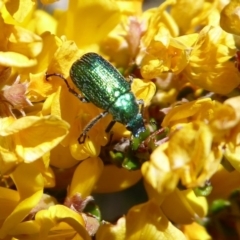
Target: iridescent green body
104, 86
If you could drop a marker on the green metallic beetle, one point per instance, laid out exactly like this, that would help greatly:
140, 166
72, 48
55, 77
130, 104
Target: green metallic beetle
104, 86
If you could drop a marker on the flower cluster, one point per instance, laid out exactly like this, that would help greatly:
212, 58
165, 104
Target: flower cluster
185, 66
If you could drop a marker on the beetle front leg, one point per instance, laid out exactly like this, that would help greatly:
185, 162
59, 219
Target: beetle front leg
71, 90
83, 136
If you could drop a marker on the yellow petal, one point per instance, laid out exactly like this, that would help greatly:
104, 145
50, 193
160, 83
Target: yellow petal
47, 54
24, 42
61, 157
8, 201
188, 13
85, 177
41, 22
19, 9
116, 179
234, 103
13, 59
88, 149
8, 157
38, 88
196, 231
29, 183
80, 153
143, 90
190, 17
188, 205
96, 18
58, 106
158, 173
224, 183
50, 218
64, 57
130, 7
230, 20
34, 136
199, 109
112, 232
48, 1
150, 223
232, 153
29, 229
211, 73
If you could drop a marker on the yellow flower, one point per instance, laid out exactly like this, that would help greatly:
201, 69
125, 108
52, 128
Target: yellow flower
229, 20
166, 54
223, 189
186, 112
50, 219
85, 177
48, 1
159, 21
188, 157
144, 221
19, 47
58, 59
130, 7
16, 205
68, 219
226, 126
28, 138
58, 222
189, 207
87, 15
158, 172
190, 16
209, 64
195, 231
116, 179
164, 51
41, 22
222, 120
176, 51
17, 12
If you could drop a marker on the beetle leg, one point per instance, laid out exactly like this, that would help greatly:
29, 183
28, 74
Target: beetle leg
130, 79
141, 103
71, 90
109, 127
83, 136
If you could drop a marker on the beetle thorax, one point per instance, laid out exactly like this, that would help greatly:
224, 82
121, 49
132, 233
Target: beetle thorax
124, 108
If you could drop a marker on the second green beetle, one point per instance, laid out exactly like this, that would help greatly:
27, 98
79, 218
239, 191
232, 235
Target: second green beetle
104, 86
